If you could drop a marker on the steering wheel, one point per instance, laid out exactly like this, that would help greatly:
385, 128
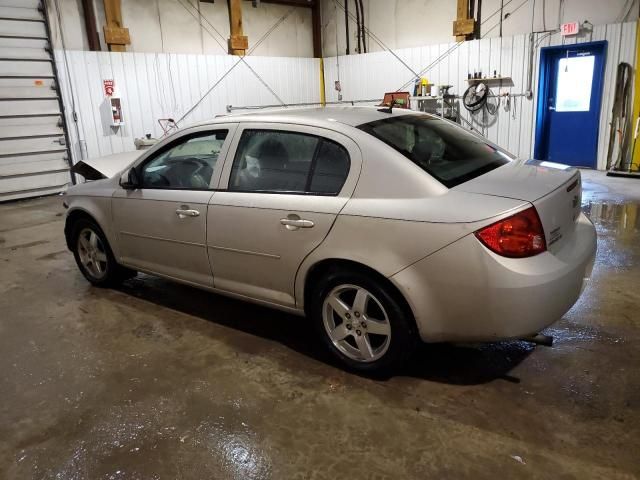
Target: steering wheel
196, 179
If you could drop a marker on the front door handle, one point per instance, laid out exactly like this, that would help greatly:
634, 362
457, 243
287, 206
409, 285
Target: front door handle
296, 223
184, 212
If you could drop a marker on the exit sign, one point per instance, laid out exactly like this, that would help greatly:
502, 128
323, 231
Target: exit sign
571, 28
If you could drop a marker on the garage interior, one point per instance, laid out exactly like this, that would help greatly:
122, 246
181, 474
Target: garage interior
156, 379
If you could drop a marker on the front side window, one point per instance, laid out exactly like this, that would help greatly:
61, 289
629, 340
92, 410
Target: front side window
288, 162
189, 164
445, 151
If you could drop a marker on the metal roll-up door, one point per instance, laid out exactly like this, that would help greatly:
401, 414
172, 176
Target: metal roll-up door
34, 159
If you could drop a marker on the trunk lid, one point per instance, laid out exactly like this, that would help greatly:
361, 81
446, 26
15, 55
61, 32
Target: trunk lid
555, 190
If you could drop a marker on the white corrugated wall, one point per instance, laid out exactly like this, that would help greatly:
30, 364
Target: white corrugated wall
157, 85
368, 76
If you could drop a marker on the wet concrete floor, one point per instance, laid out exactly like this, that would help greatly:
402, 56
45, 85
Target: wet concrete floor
157, 380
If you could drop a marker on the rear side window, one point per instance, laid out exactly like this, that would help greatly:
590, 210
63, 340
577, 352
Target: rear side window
331, 168
273, 161
447, 152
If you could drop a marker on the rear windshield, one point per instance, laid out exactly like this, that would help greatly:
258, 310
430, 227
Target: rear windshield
443, 150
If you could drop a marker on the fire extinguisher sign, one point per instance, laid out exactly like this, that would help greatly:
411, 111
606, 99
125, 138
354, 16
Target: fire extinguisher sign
108, 87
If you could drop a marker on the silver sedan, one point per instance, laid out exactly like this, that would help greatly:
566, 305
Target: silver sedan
382, 228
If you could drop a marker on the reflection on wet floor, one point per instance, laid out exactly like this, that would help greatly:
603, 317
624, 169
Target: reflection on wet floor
620, 217
617, 225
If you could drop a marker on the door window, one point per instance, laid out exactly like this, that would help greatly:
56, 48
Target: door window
188, 164
331, 168
575, 77
288, 162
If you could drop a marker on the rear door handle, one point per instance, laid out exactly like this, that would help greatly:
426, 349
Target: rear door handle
293, 224
187, 212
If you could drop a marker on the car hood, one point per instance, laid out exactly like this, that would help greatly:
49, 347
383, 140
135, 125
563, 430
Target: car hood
105, 167
521, 180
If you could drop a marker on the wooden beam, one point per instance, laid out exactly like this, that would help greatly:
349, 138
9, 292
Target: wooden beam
463, 26
238, 42
116, 36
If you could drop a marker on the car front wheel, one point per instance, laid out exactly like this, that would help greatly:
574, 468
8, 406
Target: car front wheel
362, 322
94, 257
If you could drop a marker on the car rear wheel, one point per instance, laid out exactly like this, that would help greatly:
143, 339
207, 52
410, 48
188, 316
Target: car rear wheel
94, 257
362, 322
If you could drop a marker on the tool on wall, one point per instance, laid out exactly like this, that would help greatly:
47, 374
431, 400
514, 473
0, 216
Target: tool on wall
634, 157
620, 129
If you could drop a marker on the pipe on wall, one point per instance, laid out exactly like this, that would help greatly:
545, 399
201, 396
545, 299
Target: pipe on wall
362, 34
358, 26
346, 23
316, 30
90, 25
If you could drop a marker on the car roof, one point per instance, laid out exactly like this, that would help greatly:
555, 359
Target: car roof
350, 115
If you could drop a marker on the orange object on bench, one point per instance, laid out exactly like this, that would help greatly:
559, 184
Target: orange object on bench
395, 100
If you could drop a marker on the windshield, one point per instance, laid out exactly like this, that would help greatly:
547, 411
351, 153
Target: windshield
443, 150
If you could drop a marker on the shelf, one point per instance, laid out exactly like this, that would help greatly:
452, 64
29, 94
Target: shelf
426, 97
493, 81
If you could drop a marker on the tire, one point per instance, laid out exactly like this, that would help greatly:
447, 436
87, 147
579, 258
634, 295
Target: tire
94, 257
336, 309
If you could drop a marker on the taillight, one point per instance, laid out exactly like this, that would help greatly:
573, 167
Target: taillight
517, 236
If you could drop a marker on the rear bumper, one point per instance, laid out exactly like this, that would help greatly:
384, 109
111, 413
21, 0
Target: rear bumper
465, 292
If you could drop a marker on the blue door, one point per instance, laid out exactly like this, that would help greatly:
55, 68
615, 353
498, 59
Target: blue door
569, 101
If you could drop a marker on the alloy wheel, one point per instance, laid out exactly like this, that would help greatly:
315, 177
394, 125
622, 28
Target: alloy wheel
92, 253
356, 323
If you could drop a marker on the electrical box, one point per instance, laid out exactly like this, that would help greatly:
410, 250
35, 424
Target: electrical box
116, 112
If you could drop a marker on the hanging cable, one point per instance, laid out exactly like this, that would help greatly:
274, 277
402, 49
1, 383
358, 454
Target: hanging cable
240, 59
362, 31
357, 24
620, 118
338, 87
379, 42
346, 25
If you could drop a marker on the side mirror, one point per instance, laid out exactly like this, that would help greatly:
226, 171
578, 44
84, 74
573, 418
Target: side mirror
129, 179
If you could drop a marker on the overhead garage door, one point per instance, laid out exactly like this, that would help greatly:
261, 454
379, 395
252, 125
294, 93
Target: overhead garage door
33, 151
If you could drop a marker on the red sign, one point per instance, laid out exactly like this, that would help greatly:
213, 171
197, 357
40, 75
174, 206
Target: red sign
108, 87
570, 28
